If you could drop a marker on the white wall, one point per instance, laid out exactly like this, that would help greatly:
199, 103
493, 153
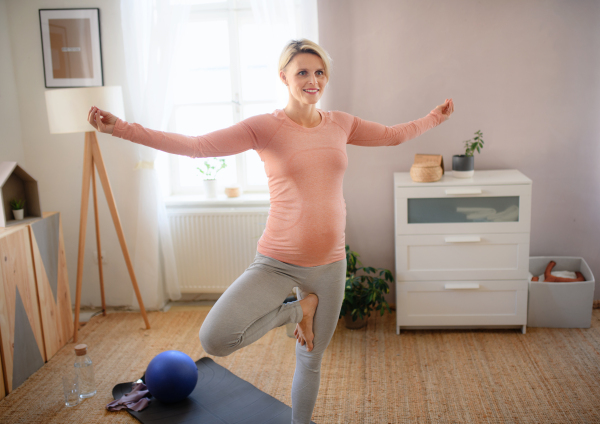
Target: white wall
524, 72
11, 146
56, 161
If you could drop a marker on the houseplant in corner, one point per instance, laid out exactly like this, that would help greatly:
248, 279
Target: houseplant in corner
17, 206
210, 169
365, 287
463, 166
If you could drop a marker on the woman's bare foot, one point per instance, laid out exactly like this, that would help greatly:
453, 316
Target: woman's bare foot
304, 329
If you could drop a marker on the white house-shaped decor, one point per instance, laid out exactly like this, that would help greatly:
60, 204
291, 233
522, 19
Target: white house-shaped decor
15, 183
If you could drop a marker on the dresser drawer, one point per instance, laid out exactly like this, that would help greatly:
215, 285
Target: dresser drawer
462, 257
450, 303
463, 209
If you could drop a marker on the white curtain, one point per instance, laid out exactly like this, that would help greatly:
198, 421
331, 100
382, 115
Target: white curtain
282, 21
151, 30
291, 18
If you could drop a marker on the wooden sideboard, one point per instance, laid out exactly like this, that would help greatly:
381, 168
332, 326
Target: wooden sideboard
35, 304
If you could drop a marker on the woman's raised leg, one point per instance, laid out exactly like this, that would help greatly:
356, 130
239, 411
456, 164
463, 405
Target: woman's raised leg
249, 308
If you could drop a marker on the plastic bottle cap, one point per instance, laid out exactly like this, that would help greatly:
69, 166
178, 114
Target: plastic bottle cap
81, 349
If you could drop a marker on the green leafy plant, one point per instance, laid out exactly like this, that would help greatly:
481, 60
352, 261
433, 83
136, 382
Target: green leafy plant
211, 167
365, 287
476, 144
16, 204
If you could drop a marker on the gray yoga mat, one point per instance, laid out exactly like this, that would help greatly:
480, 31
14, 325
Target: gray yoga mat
220, 397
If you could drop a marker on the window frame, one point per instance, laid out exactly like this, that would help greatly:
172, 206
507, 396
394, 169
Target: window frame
235, 12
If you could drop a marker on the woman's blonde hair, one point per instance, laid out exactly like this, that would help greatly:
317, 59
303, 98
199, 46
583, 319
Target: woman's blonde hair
304, 46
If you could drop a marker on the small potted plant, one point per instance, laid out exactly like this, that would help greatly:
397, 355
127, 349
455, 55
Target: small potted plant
463, 166
17, 206
364, 292
210, 169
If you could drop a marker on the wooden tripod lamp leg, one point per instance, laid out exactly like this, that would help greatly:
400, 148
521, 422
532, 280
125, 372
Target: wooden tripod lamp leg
99, 162
98, 244
85, 196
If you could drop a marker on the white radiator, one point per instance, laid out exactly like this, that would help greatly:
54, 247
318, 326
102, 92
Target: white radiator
214, 246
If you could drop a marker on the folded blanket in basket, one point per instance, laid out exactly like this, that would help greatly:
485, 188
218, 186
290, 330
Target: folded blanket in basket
550, 276
562, 274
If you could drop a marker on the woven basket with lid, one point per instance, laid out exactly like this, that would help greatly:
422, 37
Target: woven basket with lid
426, 172
427, 168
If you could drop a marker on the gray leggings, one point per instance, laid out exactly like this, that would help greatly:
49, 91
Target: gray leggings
253, 305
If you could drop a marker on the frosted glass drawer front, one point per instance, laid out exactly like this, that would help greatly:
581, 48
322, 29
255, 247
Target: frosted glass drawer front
462, 256
462, 303
463, 209
435, 210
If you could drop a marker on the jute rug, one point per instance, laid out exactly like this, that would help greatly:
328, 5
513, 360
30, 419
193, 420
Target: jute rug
369, 375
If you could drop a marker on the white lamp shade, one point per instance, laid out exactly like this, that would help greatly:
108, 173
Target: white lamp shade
68, 108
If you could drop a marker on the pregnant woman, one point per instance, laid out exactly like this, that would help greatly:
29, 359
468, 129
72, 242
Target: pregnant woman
303, 244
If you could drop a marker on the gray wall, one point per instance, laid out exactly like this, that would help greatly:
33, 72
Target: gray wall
524, 72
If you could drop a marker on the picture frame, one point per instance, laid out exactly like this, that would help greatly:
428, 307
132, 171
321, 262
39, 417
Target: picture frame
71, 47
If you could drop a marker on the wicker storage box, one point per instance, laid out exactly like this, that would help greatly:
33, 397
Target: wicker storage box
427, 168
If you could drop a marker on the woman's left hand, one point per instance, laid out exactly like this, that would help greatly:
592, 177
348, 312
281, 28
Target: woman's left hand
446, 109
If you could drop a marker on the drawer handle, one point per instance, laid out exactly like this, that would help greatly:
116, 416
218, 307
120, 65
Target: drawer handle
462, 239
464, 191
454, 286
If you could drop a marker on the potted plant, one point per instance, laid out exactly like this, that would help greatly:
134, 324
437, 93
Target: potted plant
365, 287
463, 166
17, 206
211, 167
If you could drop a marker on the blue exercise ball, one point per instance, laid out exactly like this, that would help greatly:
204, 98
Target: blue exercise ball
171, 376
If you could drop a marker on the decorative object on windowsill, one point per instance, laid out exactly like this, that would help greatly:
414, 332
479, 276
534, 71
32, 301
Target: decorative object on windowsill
211, 167
363, 293
233, 191
427, 168
17, 206
463, 166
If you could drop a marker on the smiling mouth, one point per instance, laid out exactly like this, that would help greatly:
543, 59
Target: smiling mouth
311, 91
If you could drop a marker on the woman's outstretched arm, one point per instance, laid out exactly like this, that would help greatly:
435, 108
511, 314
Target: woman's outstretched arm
225, 142
368, 133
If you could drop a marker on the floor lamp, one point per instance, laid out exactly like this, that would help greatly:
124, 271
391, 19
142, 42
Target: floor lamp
67, 113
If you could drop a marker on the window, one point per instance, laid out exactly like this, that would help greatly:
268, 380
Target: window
225, 71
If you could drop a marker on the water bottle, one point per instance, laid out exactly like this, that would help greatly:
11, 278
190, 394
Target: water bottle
85, 369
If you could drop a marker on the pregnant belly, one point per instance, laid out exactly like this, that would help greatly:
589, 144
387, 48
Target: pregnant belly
316, 229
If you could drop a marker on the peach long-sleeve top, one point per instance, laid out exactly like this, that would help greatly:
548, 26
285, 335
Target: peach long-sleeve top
305, 169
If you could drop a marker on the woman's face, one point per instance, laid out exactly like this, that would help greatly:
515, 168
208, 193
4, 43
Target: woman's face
305, 78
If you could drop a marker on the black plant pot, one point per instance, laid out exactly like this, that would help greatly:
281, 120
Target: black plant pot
463, 166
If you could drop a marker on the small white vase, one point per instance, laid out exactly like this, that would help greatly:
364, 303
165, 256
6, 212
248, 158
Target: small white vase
210, 188
18, 213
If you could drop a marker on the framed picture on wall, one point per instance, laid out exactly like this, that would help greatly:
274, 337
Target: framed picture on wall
71, 47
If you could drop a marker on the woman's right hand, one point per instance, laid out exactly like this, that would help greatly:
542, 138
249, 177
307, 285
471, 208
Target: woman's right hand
102, 120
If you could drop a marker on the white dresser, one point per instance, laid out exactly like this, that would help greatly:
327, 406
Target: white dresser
462, 251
